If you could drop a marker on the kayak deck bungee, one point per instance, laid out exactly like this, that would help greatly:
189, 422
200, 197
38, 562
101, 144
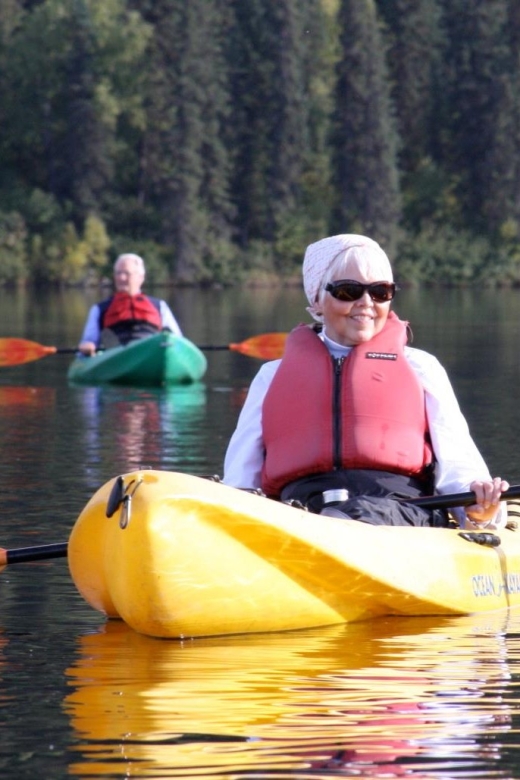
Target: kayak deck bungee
160, 359
185, 556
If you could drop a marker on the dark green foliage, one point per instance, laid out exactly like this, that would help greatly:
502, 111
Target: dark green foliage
274, 48
13, 252
476, 63
185, 165
501, 204
219, 137
85, 169
444, 256
65, 69
364, 141
413, 35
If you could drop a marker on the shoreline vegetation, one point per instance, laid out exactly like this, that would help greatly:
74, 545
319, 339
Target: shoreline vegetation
218, 139
256, 281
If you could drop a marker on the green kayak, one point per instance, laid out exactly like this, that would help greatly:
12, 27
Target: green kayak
161, 359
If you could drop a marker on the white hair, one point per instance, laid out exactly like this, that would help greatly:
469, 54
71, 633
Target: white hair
137, 261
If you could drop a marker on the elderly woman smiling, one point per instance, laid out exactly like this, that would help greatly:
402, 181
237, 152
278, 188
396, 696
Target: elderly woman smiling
352, 421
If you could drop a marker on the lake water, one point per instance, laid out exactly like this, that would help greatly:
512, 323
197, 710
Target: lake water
423, 698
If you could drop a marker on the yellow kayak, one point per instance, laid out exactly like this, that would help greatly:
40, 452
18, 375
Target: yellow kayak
176, 555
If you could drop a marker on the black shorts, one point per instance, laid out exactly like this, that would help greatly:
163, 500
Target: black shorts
377, 497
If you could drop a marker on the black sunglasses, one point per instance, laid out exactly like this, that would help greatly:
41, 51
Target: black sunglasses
349, 290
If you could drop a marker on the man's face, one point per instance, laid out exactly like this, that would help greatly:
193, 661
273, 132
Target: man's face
127, 277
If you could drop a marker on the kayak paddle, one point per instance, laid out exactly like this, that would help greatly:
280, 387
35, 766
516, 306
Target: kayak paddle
457, 499
267, 345
37, 553
14, 351
59, 549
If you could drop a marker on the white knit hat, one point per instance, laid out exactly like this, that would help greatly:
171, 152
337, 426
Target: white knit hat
320, 256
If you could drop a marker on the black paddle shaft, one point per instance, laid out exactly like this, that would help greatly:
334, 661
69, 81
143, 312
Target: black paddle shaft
59, 549
22, 554
457, 499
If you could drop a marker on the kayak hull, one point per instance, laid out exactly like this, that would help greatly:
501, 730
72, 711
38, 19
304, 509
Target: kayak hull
183, 556
161, 359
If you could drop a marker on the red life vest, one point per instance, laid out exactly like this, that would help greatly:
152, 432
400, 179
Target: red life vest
123, 308
366, 411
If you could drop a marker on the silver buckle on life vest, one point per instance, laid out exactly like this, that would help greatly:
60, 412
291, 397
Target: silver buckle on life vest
336, 496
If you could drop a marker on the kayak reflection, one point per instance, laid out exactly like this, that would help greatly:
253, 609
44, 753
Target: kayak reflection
368, 698
126, 428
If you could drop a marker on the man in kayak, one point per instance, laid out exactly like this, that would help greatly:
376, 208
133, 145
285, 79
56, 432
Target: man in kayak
351, 419
128, 314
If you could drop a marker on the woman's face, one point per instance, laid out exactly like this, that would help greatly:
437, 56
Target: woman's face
354, 322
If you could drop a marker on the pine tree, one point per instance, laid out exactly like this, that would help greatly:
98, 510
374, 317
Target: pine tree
364, 138
11, 14
271, 54
501, 203
412, 28
413, 61
476, 62
66, 67
185, 163
85, 169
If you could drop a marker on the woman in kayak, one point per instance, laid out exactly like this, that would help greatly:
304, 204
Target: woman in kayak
129, 314
352, 420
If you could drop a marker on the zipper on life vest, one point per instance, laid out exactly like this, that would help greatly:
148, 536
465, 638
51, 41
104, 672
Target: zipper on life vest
336, 413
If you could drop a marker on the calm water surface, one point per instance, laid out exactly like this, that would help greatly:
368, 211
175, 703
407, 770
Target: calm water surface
422, 698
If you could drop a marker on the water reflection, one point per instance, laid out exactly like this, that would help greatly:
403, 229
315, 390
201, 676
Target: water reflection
130, 428
27, 416
382, 698
441, 696
16, 398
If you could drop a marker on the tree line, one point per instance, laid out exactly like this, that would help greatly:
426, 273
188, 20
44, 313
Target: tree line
218, 138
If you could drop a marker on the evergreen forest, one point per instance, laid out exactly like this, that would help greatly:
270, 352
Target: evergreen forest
218, 138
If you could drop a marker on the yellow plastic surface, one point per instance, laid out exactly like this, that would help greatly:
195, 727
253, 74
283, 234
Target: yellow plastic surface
198, 558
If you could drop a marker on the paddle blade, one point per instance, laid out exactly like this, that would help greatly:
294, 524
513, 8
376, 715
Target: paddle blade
269, 346
13, 352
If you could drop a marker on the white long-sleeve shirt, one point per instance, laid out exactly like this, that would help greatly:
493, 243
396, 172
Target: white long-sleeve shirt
458, 461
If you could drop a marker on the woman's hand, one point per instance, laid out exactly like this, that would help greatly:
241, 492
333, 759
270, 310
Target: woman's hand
488, 499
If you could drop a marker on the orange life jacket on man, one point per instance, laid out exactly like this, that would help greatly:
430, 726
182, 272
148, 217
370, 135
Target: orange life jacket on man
365, 411
131, 316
